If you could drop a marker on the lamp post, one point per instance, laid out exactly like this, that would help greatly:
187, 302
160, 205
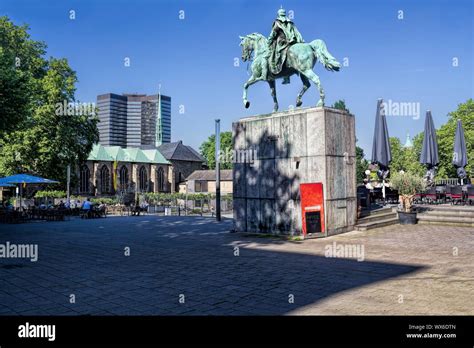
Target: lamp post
68, 175
218, 173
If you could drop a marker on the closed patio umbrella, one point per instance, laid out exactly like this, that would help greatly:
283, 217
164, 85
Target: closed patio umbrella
381, 153
460, 152
429, 152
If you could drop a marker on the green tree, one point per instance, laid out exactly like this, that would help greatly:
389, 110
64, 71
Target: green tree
361, 164
411, 157
40, 140
445, 134
398, 161
21, 63
406, 159
208, 150
341, 105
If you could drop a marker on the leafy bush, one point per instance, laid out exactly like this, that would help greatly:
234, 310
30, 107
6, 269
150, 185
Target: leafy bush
172, 198
162, 198
50, 194
227, 198
407, 185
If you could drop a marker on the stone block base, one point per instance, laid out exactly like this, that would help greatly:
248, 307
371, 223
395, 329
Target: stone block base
306, 145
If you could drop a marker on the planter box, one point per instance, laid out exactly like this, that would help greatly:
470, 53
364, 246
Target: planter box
407, 218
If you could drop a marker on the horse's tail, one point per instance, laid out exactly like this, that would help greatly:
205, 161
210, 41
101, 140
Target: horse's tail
322, 53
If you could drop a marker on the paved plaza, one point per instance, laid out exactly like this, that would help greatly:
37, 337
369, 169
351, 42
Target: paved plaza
152, 265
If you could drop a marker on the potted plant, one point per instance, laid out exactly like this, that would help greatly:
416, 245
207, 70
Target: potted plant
407, 185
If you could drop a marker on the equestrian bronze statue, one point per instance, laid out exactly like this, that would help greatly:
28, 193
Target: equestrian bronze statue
282, 54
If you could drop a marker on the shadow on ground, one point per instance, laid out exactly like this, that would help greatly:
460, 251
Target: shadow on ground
171, 258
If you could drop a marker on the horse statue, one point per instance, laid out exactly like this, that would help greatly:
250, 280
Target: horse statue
300, 59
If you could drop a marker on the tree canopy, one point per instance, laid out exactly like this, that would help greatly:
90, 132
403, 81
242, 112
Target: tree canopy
445, 134
34, 138
208, 150
340, 105
408, 159
361, 164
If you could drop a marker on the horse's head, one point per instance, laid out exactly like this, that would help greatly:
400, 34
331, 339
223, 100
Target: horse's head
247, 47
249, 44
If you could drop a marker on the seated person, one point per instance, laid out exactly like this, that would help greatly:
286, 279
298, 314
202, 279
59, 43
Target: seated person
135, 209
87, 205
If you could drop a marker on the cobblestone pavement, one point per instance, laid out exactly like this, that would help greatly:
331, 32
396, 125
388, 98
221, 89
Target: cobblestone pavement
418, 269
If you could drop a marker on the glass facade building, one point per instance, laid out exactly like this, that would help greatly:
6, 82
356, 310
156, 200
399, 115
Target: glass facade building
129, 120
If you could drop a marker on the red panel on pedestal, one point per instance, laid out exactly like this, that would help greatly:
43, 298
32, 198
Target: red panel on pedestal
312, 207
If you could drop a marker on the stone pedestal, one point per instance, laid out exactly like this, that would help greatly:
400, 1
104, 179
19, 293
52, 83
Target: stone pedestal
306, 145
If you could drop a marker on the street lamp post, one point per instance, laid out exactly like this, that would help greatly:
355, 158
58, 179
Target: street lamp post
218, 173
68, 175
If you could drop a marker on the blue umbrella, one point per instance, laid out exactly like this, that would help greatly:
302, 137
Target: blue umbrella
26, 179
4, 184
460, 151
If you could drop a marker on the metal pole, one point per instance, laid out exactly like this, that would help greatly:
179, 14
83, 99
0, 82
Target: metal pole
68, 182
218, 172
383, 191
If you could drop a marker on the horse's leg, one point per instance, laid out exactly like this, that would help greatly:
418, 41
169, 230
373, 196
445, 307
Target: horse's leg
313, 77
274, 95
306, 85
247, 84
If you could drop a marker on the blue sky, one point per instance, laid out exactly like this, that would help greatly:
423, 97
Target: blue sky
405, 60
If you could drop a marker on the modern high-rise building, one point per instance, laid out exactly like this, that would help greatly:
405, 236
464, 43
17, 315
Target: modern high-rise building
134, 120
113, 119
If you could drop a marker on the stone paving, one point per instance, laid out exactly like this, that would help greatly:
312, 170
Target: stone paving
194, 266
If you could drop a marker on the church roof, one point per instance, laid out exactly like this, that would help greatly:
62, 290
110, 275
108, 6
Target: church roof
210, 175
178, 152
155, 156
408, 142
99, 153
119, 154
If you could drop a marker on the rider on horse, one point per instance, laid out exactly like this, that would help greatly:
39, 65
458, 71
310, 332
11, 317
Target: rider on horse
283, 35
